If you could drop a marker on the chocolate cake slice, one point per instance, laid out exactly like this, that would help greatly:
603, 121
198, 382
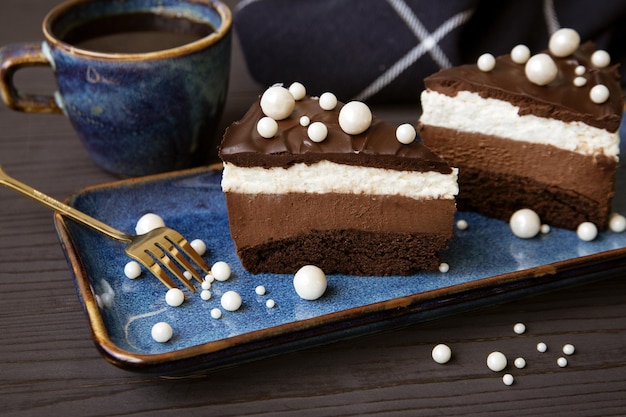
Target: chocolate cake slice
536, 132
314, 181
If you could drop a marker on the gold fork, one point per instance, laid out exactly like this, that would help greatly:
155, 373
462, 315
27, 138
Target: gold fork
161, 247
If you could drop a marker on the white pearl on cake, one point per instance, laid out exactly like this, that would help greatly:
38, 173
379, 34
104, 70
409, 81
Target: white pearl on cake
405, 133
600, 59
277, 102
317, 132
328, 101
580, 81
564, 42
486, 62
520, 363
525, 223
297, 90
355, 117
441, 353
519, 328
267, 127
305, 121
542, 347
580, 70
541, 69
520, 54
148, 222
562, 362
569, 349
587, 231
310, 282
599, 93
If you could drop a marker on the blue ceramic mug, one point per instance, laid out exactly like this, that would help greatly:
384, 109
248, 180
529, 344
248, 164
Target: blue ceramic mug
143, 82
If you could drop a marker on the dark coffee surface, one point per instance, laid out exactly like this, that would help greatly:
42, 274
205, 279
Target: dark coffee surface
135, 33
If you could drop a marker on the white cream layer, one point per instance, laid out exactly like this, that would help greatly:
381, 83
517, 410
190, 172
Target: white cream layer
329, 177
469, 112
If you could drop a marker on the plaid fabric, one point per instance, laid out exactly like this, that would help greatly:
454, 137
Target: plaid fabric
381, 50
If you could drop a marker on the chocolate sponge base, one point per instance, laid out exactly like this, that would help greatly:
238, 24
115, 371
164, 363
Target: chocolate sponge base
349, 252
482, 191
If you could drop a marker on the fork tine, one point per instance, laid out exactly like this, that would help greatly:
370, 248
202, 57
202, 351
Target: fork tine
154, 267
175, 251
179, 241
161, 256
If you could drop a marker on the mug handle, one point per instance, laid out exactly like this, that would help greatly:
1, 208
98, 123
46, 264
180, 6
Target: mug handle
13, 58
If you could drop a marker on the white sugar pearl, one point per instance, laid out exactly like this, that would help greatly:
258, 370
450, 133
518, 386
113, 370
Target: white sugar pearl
569, 349
519, 363
580, 81
486, 62
580, 70
328, 101
542, 347
205, 295
209, 278
221, 271
277, 102
297, 90
132, 270
520, 54
270, 303
174, 297
199, 246
231, 301
187, 274
599, 93
462, 224
355, 117
545, 229
617, 223
206, 285
564, 42
310, 282
541, 69
162, 332
562, 362
441, 353
267, 127
508, 379
317, 132
444, 267
600, 59
519, 328
216, 313
496, 361
406, 134
305, 121
525, 223
148, 222
260, 290
587, 231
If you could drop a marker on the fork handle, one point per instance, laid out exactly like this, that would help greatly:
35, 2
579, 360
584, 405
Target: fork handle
63, 209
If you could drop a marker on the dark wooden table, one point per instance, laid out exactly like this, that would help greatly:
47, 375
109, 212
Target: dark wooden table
49, 365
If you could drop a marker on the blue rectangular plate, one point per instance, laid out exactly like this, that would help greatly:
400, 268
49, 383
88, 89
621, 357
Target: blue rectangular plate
487, 265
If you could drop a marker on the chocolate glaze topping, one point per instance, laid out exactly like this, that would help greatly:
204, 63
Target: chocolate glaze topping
560, 99
377, 147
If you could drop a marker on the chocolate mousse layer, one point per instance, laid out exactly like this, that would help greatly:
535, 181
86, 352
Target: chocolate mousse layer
565, 188
376, 147
254, 217
560, 99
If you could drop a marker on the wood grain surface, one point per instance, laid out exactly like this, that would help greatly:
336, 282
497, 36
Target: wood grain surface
49, 365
